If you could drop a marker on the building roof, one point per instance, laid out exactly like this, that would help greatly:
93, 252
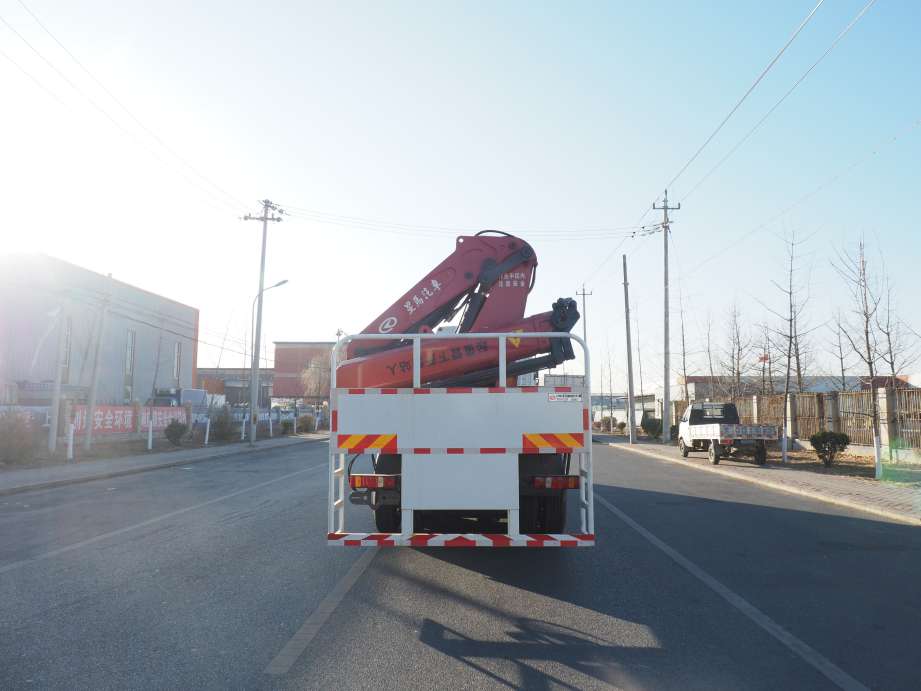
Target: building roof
297, 344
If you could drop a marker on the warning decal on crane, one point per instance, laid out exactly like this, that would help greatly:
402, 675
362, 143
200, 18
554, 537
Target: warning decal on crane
562, 443
359, 443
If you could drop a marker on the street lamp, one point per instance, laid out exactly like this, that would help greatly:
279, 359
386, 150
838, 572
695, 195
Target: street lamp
254, 366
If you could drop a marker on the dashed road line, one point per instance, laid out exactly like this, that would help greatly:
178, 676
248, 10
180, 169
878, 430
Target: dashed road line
12, 566
295, 647
803, 650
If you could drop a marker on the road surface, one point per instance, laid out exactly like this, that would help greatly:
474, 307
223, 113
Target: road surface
217, 575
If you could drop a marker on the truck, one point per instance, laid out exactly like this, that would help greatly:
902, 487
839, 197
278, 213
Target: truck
715, 428
459, 453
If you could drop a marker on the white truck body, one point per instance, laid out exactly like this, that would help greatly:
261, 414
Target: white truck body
724, 431
460, 449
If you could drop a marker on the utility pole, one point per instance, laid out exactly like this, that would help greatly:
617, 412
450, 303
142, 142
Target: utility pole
584, 313
639, 361
94, 379
267, 215
631, 406
666, 422
60, 361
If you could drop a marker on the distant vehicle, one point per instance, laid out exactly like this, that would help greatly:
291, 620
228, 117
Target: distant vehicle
197, 398
715, 428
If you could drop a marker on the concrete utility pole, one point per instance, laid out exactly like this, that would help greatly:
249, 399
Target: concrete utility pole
94, 379
666, 403
60, 362
267, 208
584, 313
631, 406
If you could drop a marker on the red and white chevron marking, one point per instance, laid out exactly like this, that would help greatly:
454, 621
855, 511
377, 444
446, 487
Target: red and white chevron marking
459, 540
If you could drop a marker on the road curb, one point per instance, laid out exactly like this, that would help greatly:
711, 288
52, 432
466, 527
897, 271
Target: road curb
49, 484
827, 498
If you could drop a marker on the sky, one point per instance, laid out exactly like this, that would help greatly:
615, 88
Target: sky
388, 128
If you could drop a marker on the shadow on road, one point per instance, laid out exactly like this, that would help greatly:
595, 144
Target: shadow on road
812, 571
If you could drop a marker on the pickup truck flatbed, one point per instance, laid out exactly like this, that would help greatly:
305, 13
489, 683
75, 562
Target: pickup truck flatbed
715, 428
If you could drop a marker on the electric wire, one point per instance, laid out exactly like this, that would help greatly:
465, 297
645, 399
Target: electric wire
108, 116
738, 104
783, 98
130, 114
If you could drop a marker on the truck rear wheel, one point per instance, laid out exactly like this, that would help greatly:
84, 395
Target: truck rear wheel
542, 514
387, 519
713, 453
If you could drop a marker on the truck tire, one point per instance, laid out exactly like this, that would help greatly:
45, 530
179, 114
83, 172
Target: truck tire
683, 448
545, 513
761, 454
713, 453
554, 518
387, 519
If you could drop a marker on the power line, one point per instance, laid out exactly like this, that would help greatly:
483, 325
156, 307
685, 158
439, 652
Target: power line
130, 114
783, 98
746, 94
431, 233
834, 178
102, 110
435, 231
34, 80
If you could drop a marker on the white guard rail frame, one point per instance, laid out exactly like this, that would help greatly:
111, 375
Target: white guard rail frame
460, 446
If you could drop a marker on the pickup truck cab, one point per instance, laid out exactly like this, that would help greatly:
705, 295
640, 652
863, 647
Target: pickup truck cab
715, 428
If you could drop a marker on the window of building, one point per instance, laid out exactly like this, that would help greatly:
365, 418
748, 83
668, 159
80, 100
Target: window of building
177, 362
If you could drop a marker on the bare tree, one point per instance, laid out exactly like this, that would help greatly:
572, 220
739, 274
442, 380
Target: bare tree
611, 387
766, 360
786, 334
712, 387
859, 330
738, 352
315, 378
684, 352
639, 361
840, 353
895, 350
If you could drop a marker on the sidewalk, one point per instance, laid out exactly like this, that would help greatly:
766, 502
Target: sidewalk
23, 479
896, 501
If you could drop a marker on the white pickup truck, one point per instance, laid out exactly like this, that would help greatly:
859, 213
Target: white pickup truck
715, 428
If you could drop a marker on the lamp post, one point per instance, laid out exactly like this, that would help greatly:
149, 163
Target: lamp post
254, 368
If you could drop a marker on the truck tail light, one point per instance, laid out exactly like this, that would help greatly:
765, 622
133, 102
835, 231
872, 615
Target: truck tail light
556, 482
373, 481
726, 442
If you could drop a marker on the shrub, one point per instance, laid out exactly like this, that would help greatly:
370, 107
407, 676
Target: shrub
621, 426
175, 431
19, 438
287, 426
223, 426
652, 426
827, 445
306, 423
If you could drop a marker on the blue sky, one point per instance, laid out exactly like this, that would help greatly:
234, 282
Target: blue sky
542, 119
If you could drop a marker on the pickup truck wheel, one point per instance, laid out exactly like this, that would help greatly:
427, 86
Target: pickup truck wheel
713, 454
387, 519
682, 447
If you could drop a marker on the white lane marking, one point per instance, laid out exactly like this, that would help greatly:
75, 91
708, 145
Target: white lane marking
811, 656
295, 647
150, 521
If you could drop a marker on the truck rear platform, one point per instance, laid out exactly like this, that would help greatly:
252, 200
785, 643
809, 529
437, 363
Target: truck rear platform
502, 456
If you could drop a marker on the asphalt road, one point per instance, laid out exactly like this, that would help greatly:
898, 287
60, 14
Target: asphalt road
217, 575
